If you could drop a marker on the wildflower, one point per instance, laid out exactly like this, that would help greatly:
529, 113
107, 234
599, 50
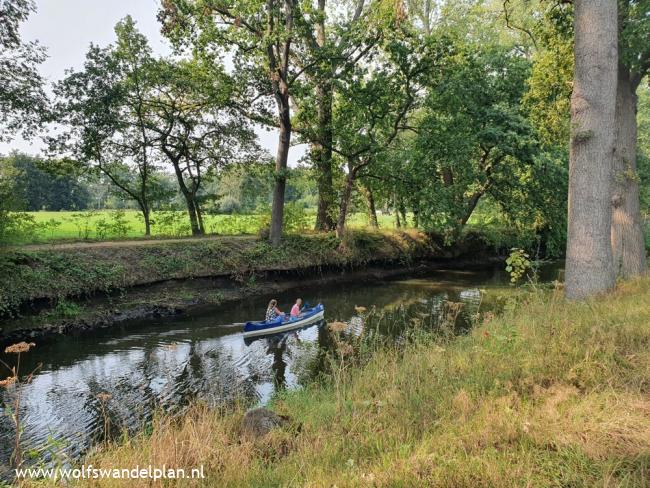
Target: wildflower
345, 349
104, 397
7, 381
337, 326
20, 347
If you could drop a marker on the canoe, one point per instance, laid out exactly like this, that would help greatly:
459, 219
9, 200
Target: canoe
281, 324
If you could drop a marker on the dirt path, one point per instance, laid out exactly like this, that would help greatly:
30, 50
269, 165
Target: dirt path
126, 243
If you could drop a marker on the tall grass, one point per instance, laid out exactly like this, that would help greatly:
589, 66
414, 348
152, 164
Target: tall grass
549, 393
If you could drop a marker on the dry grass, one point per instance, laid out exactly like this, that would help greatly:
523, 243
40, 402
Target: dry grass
550, 394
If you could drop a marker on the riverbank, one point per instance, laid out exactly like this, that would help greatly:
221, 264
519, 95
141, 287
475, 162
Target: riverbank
63, 288
549, 393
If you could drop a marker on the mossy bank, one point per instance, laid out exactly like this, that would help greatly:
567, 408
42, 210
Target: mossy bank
60, 288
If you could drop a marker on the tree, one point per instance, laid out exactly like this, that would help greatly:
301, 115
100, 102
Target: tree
549, 99
644, 153
339, 38
36, 187
8, 202
589, 261
372, 106
472, 138
196, 126
261, 35
103, 109
22, 99
627, 233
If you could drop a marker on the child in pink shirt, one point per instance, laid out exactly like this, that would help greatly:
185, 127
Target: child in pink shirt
295, 310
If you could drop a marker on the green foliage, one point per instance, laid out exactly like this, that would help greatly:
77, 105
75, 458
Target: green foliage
16, 227
116, 227
549, 88
517, 264
643, 153
473, 138
633, 35
295, 218
23, 102
84, 221
171, 223
66, 309
39, 186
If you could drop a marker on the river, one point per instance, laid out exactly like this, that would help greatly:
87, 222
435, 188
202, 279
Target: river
111, 380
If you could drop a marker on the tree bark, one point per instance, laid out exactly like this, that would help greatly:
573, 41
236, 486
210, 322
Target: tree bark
398, 224
199, 216
322, 148
628, 244
277, 210
146, 214
191, 211
372, 210
589, 260
187, 194
322, 157
345, 203
279, 68
471, 206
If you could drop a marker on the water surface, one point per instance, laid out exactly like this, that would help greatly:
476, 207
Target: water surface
117, 377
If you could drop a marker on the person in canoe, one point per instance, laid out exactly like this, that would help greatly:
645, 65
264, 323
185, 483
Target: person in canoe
272, 311
296, 309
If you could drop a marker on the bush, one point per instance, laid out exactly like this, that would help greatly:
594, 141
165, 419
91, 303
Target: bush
171, 223
295, 218
16, 227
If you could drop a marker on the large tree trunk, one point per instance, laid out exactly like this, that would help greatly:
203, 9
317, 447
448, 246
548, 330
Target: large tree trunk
322, 149
189, 197
191, 212
284, 141
372, 210
199, 215
398, 223
589, 262
402, 210
628, 244
345, 203
322, 157
146, 214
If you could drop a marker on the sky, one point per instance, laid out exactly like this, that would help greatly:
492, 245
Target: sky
68, 27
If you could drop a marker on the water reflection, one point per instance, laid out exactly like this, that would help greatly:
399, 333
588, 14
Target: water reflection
167, 363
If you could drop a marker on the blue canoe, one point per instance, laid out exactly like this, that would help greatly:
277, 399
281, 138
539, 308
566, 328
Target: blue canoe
281, 324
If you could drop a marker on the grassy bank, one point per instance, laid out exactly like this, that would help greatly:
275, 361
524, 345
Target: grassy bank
549, 393
57, 273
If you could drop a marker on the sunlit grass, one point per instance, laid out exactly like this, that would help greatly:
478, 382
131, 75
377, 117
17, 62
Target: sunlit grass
64, 225
550, 393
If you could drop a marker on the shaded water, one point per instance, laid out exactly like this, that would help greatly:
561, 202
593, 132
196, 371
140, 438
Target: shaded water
166, 363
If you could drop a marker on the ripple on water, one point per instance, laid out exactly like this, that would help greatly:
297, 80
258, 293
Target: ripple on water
167, 363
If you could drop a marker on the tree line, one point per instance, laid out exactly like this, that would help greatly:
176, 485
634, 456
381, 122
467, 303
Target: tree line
429, 108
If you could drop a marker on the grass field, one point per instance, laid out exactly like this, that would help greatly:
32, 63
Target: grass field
107, 224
